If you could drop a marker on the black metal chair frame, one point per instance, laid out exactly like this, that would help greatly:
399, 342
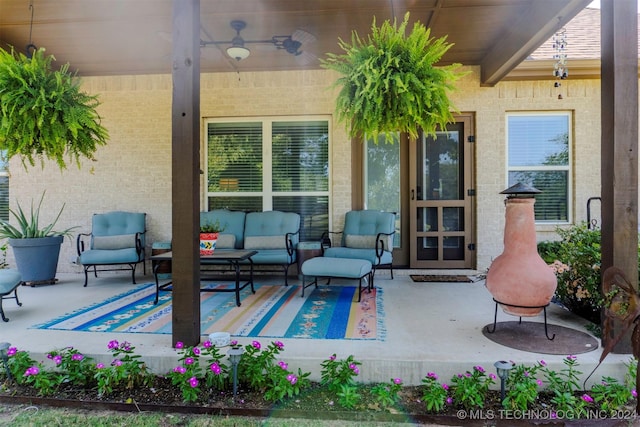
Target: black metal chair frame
80, 245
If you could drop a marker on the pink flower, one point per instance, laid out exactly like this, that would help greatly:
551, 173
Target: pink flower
58, 359
432, 375
479, 368
34, 370
188, 361
193, 382
256, 345
77, 357
117, 362
397, 381
492, 376
292, 379
12, 351
571, 357
283, 365
587, 398
215, 368
234, 343
179, 345
207, 344
445, 386
179, 369
113, 344
100, 366
196, 351
333, 357
279, 344
543, 363
126, 346
634, 393
539, 382
449, 400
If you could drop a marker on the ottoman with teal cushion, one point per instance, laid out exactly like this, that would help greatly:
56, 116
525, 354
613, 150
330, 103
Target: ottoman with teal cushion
343, 268
9, 281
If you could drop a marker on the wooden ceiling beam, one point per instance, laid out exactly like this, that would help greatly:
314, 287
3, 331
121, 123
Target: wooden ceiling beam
525, 36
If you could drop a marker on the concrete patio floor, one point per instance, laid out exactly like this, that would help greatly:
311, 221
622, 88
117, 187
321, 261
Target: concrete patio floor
429, 327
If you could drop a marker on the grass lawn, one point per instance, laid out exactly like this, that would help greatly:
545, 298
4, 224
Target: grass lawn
25, 415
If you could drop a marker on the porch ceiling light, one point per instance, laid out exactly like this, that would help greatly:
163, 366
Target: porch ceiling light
238, 51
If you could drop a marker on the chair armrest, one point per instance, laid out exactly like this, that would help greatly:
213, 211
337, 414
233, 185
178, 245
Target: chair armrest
139, 247
380, 243
80, 242
325, 240
289, 242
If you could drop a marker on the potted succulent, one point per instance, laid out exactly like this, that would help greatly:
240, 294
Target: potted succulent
389, 82
36, 248
209, 237
43, 112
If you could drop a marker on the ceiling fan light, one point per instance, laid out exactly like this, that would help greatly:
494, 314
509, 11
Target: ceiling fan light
238, 52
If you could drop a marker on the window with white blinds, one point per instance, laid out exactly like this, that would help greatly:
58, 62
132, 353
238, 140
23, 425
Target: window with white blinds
539, 155
272, 164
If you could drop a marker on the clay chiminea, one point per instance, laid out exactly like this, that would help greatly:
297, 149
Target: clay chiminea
519, 279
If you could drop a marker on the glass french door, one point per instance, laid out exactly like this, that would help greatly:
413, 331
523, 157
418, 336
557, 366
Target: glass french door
441, 198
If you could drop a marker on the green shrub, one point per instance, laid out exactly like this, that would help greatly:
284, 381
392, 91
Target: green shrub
576, 259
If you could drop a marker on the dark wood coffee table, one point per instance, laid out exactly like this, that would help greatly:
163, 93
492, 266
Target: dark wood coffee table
220, 256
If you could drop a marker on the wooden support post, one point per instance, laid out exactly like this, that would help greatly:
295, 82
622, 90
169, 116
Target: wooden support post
619, 157
185, 143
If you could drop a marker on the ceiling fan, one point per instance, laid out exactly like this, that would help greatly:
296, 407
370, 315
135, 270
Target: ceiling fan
291, 44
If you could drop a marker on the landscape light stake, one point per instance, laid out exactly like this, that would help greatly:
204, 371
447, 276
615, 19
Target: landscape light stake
234, 356
503, 367
4, 346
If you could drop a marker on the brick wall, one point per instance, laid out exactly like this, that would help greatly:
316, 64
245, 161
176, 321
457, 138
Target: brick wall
133, 172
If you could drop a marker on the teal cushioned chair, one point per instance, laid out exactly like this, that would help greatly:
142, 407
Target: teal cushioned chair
264, 231
368, 235
116, 239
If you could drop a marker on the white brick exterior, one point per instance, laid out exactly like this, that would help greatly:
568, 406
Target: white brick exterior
133, 172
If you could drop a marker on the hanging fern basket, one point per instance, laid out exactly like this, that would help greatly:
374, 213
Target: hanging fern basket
44, 114
389, 82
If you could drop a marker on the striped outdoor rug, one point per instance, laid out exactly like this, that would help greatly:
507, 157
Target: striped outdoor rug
329, 312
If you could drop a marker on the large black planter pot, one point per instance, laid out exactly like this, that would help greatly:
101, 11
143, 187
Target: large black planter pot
37, 259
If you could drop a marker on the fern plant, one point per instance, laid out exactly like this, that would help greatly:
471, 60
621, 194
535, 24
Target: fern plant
389, 82
44, 114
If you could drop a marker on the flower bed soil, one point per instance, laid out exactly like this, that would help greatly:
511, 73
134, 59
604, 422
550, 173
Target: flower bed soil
314, 403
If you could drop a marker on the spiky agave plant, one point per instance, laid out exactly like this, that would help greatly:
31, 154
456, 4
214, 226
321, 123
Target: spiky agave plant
29, 224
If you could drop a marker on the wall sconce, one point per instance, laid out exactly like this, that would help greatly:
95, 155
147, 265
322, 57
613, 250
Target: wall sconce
4, 346
503, 367
234, 356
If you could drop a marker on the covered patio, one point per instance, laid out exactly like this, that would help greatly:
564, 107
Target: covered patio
430, 327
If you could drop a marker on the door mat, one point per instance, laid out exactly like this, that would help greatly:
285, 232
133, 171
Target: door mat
442, 278
531, 337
